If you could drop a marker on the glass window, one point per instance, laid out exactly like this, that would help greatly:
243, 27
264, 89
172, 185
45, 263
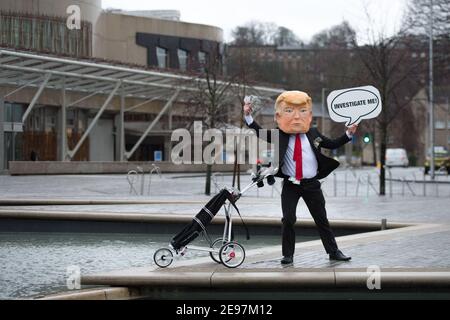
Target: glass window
70, 118
37, 123
8, 112
45, 33
439, 125
202, 57
183, 59
162, 56
202, 60
18, 111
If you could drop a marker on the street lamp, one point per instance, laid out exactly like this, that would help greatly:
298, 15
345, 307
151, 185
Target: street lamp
431, 93
323, 110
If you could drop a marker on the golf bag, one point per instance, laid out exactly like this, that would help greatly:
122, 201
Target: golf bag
203, 218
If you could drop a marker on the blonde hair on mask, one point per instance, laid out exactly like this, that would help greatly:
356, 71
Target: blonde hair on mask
298, 98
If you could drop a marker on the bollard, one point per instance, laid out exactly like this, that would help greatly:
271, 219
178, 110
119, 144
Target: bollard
403, 186
424, 185
357, 187
335, 184
345, 183
390, 182
437, 189
368, 185
383, 224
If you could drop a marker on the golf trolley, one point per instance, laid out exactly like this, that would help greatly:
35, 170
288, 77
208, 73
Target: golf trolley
222, 250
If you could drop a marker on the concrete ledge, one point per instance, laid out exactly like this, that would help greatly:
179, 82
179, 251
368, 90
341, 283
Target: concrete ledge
51, 202
273, 279
94, 294
290, 278
97, 167
253, 280
154, 279
171, 218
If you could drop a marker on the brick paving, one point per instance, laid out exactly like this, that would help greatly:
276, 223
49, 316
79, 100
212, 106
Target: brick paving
411, 251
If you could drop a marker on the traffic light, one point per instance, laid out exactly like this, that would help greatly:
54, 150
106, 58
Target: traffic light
367, 138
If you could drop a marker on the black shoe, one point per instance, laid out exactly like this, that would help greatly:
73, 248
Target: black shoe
287, 260
339, 256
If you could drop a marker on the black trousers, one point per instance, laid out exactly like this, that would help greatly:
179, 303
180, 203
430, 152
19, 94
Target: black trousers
312, 195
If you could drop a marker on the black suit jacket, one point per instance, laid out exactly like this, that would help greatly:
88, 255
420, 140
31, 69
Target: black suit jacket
325, 164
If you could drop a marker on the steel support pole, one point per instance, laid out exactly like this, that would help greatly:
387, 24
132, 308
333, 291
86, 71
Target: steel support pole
121, 131
71, 153
35, 98
62, 136
150, 127
2, 135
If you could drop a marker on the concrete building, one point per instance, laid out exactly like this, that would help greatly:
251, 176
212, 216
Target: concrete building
81, 83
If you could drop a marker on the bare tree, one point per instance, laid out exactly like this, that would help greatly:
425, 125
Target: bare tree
341, 36
286, 37
390, 66
211, 98
243, 72
257, 33
418, 16
418, 20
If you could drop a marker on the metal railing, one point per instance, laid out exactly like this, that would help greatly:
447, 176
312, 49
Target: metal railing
350, 182
354, 182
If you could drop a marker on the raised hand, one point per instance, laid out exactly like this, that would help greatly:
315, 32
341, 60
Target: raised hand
248, 109
352, 129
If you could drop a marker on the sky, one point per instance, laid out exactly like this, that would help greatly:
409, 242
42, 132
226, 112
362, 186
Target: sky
304, 17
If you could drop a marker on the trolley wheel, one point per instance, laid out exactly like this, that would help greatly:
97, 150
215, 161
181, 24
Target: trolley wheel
232, 254
216, 245
163, 257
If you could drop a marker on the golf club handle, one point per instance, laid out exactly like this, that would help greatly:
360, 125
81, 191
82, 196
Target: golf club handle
256, 181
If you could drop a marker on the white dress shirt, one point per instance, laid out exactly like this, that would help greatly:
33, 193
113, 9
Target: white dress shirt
309, 161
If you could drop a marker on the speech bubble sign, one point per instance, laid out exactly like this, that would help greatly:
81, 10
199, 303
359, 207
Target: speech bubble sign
354, 104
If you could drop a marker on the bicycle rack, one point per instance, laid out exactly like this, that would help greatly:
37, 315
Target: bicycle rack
158, 172
133, 176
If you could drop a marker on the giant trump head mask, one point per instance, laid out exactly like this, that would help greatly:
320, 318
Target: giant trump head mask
293, 112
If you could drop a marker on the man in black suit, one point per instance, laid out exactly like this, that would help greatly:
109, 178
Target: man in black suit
301, 166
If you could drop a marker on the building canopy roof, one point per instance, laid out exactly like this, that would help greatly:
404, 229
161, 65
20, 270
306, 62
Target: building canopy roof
88, 76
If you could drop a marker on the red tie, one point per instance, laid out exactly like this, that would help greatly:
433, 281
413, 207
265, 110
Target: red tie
298, 158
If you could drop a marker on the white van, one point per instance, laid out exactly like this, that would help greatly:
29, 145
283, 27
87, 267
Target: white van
396, 157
